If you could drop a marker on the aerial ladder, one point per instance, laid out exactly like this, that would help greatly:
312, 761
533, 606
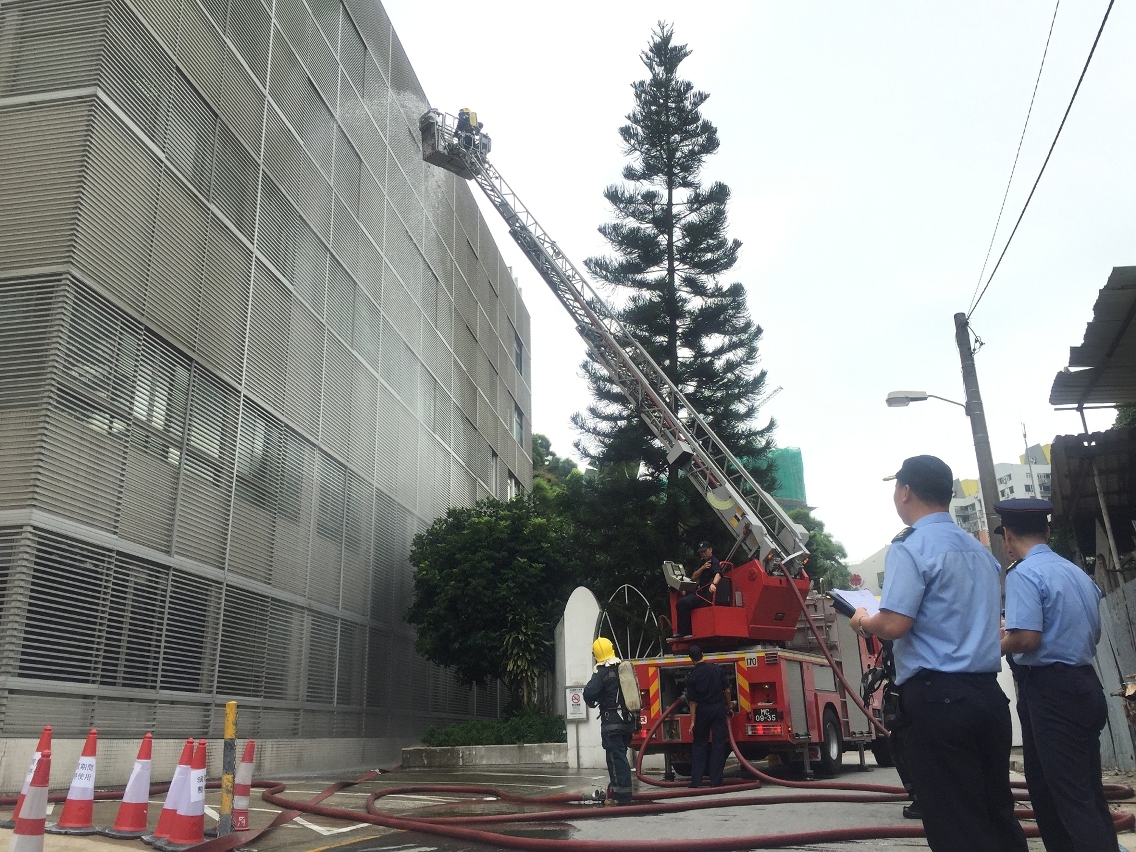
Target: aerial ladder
760, 527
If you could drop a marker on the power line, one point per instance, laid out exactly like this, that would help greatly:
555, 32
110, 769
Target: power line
1017, 154
1057, 136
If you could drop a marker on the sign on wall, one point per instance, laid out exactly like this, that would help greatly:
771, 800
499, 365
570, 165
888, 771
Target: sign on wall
574, 701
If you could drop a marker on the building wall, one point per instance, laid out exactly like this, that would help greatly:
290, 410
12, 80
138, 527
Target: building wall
250, 345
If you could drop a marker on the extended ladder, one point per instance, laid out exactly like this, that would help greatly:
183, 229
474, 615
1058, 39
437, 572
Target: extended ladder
758, 523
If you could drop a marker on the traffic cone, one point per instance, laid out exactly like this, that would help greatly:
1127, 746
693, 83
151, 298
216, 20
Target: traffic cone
188, 828
44, 745
78, 809
242, 787
28, 836
134, 812
173, 796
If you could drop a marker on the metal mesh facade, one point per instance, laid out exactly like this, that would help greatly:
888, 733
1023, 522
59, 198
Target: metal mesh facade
250, 345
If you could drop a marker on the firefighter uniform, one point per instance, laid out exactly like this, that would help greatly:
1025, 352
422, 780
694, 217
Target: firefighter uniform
954, 719
616, 723
1061, 702
706, 690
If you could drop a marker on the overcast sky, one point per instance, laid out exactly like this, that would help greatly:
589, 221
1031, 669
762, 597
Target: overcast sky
867, 147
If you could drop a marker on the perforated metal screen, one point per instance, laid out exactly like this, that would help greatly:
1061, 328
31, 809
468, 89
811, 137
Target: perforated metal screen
234, 383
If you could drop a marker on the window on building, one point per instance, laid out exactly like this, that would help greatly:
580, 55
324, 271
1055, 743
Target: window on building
1029, 489
518, 425
513, 487
518, 354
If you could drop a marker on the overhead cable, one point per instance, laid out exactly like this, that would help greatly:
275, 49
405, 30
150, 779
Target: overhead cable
1017, 154
1057, 136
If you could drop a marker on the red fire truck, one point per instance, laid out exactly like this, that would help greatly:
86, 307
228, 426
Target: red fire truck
788, 701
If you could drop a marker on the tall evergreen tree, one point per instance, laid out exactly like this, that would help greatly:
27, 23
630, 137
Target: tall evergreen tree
670, 250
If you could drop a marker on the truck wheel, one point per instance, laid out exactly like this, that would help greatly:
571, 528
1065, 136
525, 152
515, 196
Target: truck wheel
681, 768
881, 751
832, 749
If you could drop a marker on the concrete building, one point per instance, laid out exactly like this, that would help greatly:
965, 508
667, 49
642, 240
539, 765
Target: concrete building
1031, 477
250, 345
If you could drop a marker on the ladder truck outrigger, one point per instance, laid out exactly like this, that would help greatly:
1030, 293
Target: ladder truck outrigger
787, 658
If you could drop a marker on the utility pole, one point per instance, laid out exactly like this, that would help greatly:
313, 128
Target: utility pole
986, 479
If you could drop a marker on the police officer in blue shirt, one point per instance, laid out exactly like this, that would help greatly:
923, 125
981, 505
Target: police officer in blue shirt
1052, 628
940, 606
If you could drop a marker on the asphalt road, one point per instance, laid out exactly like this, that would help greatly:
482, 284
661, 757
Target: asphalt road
319, 834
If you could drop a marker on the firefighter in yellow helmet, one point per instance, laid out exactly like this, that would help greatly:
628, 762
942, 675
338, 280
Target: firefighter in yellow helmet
616, 721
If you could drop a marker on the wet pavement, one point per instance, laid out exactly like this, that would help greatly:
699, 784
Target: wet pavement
311, 833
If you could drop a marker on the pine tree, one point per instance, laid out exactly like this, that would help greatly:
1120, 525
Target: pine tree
670, 250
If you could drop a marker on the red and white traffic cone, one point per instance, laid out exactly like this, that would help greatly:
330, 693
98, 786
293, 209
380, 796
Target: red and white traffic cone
173, 797
242, 788
78, 809
28, 836
188, 827
134, 812
44, 745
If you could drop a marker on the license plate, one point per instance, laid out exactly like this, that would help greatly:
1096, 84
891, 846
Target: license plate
765, 714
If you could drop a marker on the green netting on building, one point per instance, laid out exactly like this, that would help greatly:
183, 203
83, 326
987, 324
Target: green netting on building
790, 473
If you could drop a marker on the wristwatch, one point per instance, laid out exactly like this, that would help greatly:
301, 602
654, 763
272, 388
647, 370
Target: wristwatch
860, 628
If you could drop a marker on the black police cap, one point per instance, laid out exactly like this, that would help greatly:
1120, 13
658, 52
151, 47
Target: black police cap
704, 545
1027, 514
927, 474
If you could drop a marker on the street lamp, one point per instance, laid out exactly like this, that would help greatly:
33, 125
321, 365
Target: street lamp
902, 399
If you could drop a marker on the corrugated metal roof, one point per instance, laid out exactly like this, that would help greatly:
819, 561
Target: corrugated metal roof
1102, 370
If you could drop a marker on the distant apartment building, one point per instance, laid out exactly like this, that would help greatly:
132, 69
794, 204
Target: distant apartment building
1031, 477
250, 346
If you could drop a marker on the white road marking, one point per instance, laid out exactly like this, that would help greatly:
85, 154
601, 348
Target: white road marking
319, 829
212, 814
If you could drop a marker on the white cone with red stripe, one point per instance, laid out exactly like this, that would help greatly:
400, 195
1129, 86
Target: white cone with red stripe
134, 812
44, 745
188, 828
78, 809
176, 793
28, 835
242, 788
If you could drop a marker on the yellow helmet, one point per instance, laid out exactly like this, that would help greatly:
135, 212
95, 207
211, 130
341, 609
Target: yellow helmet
602, 649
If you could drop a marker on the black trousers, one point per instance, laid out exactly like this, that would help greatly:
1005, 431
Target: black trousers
1063, 710
956, 733
709, 719
683, 606
615, 745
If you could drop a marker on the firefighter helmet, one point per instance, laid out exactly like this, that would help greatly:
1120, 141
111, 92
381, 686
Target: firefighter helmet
602, 649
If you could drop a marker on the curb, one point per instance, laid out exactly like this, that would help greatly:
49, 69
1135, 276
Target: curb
549, 754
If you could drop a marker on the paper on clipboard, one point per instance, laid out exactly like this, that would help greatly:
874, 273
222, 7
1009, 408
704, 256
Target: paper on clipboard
847, 602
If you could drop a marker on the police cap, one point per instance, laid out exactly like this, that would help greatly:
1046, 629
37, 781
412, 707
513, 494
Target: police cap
1023, 514
704, 545
928, 476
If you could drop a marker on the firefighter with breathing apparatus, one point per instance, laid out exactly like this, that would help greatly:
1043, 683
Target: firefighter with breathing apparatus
614, 690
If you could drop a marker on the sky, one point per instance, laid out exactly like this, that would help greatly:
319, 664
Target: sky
867, 147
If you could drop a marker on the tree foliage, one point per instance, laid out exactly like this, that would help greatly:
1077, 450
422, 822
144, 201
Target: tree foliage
826, 555
490, 585
670, 249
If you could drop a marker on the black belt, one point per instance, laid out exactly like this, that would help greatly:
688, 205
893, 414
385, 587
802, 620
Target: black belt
1022, 667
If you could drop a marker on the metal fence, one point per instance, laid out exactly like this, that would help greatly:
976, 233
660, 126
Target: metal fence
249, 347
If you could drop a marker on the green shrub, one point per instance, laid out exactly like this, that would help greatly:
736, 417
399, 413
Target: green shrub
528, 726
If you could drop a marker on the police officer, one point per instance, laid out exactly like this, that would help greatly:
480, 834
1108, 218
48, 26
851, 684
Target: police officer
708, 698
616, 723
941, 604
1052, 628
708, 575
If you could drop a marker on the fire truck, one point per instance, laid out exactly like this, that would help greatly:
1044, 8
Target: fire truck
766, 628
